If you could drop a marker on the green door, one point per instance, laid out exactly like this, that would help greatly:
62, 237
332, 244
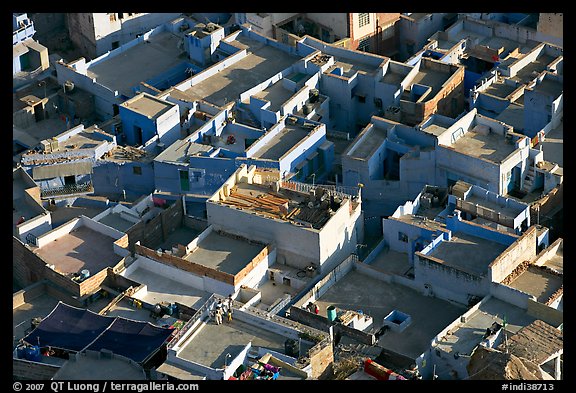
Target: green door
184, 181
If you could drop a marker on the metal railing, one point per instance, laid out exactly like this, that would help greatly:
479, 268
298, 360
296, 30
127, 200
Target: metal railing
341, 191
68, 189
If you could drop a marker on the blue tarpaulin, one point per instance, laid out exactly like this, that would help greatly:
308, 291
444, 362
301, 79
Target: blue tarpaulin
76, 329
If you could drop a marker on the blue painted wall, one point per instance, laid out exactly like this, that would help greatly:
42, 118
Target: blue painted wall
112, 177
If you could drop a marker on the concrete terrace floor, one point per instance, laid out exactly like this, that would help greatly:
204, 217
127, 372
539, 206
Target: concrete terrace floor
359, 291
79, 250
163, 289
490, 147
261, 63
281, 143
392, 262
40, 306
470, 254
211, 344
467, 335
276, 94
100, 369
224, 253
372, 140
537, 282
114, 220
138, 64
182, 235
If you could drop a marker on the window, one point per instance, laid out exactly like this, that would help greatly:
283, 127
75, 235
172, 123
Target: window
363, 19
402, 237
137, 170
364, 44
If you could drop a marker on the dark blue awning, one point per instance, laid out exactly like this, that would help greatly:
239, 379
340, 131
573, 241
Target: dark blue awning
76, 329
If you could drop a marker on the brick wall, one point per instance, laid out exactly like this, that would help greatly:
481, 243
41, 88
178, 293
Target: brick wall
442, 102
92, 283
252, 264
28, 268
185, 265
154, 232
171, 218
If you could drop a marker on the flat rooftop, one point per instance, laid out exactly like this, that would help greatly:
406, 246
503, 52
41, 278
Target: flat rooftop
513, 115
499, 89
537, 282
148, 106
261, 63
372, 139
38, 306
435, 128
508, 210
100, 368
81, 249
271, 291
393, 262
428, 77
211, 344
549, 87
532, 69
393, 78
63, 214
467, 253
282, 142
359, 291
39, 131
182, 235
421, 221
351, 66
260, 200
224, 253
116, 221
180, 150
466, 336
276, 94
19, 204
489, 147
489, 41
164, 289
138, 64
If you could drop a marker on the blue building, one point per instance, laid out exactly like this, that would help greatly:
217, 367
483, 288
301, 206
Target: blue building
145, 117
124, 173
199, 164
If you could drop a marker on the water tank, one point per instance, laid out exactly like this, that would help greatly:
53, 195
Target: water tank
85, 274
33, 354
331, 313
